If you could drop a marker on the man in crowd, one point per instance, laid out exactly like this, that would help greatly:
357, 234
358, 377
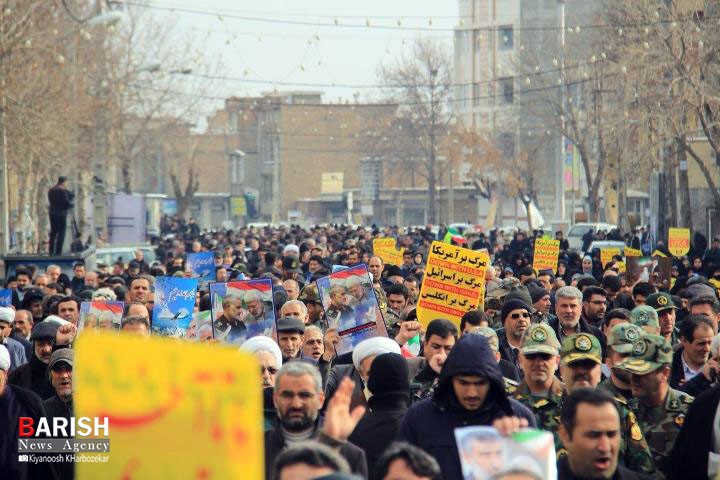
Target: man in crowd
15, 348
696, 332
515, 316
68, 308
594, 305
311, 298
620, 342
569, 314
541, 391
660, 409
290, 331
470, 391
663, 304
298, 397
61, 201
590, 431
139, 289
708, 307
34, 374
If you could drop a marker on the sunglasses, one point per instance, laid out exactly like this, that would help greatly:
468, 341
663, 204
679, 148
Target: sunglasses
270, 370
538, 356
516, 316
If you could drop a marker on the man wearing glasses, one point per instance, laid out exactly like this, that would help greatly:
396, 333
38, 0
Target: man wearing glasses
541, 390
515, 316
594, 305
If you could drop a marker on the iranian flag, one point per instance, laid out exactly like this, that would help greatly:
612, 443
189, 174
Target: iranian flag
453, 235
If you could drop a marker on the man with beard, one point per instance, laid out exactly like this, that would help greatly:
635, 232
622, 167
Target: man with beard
541, 391
620, 343
580, 362
34, 374
569, 315
339, 314
594, 305
298, 397
660, 409
663, 304
60, 405
515, 316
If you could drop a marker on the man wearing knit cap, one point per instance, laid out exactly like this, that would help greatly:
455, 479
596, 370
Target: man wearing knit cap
515, 315
34, 374
540, 301
16, 402
389, 386
541, 390
470, 392
15, 348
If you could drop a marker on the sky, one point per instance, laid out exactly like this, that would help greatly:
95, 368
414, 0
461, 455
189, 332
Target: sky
272, 52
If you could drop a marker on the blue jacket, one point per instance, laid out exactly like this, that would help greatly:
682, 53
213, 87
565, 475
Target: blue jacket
430, 424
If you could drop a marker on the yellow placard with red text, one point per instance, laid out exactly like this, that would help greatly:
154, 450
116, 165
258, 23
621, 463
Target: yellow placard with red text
607, 254
386, 250
679, 241
546, 254
175, 409
454, 283
632, 252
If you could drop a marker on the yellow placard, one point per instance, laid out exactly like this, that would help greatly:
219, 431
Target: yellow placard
545, 256
385, 249
454, 283
238, 206
632, 252
679, 241
607, 254
175, 409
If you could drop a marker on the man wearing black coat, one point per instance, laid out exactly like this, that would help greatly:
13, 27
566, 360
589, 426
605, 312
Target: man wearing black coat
471, 391
34, 374
390, 388
298, 396
61, 200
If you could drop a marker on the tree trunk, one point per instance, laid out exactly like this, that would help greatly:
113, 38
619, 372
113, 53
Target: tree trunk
126, 170
684, 187
432, 194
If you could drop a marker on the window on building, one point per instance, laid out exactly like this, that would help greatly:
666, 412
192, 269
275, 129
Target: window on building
507, 90
505, 38
507, 144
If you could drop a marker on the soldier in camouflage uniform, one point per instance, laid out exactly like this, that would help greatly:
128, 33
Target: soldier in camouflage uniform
619, 341
541, 391
660, 409
645, 317
580, 359
310, 296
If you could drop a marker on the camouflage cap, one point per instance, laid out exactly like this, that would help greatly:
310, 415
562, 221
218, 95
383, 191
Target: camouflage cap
310, 294
580, 346
648, 354
660, 301
540, 338
488, 333
646, 318
622, 336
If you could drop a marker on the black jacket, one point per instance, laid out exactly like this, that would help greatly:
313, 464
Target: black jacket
56, 408
33, 376
337, 373
622, 473
275, 443
61, 200
689, 456
379, 427
25, 403
430, 424
585, 327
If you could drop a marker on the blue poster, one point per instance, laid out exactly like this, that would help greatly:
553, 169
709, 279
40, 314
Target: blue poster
351, 307
202, 266
242, 309
174, 305
5, 297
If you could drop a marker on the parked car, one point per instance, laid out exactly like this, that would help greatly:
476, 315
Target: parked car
110, 255
605, 244
574, 236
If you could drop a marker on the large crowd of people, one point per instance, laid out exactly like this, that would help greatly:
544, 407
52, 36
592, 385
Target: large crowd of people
624, 375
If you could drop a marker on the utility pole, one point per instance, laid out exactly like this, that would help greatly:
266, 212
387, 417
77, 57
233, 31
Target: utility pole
560, 165
4, 197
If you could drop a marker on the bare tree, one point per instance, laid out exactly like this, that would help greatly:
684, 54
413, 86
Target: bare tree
419, 81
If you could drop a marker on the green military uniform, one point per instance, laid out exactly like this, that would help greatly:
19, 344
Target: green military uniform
634, 451
620, 339
310, 294
661, 423
541, 338
381, 298
491, 335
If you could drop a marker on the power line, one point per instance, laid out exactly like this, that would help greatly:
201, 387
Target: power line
337, 24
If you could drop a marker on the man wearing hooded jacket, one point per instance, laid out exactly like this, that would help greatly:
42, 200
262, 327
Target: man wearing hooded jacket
471, 391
